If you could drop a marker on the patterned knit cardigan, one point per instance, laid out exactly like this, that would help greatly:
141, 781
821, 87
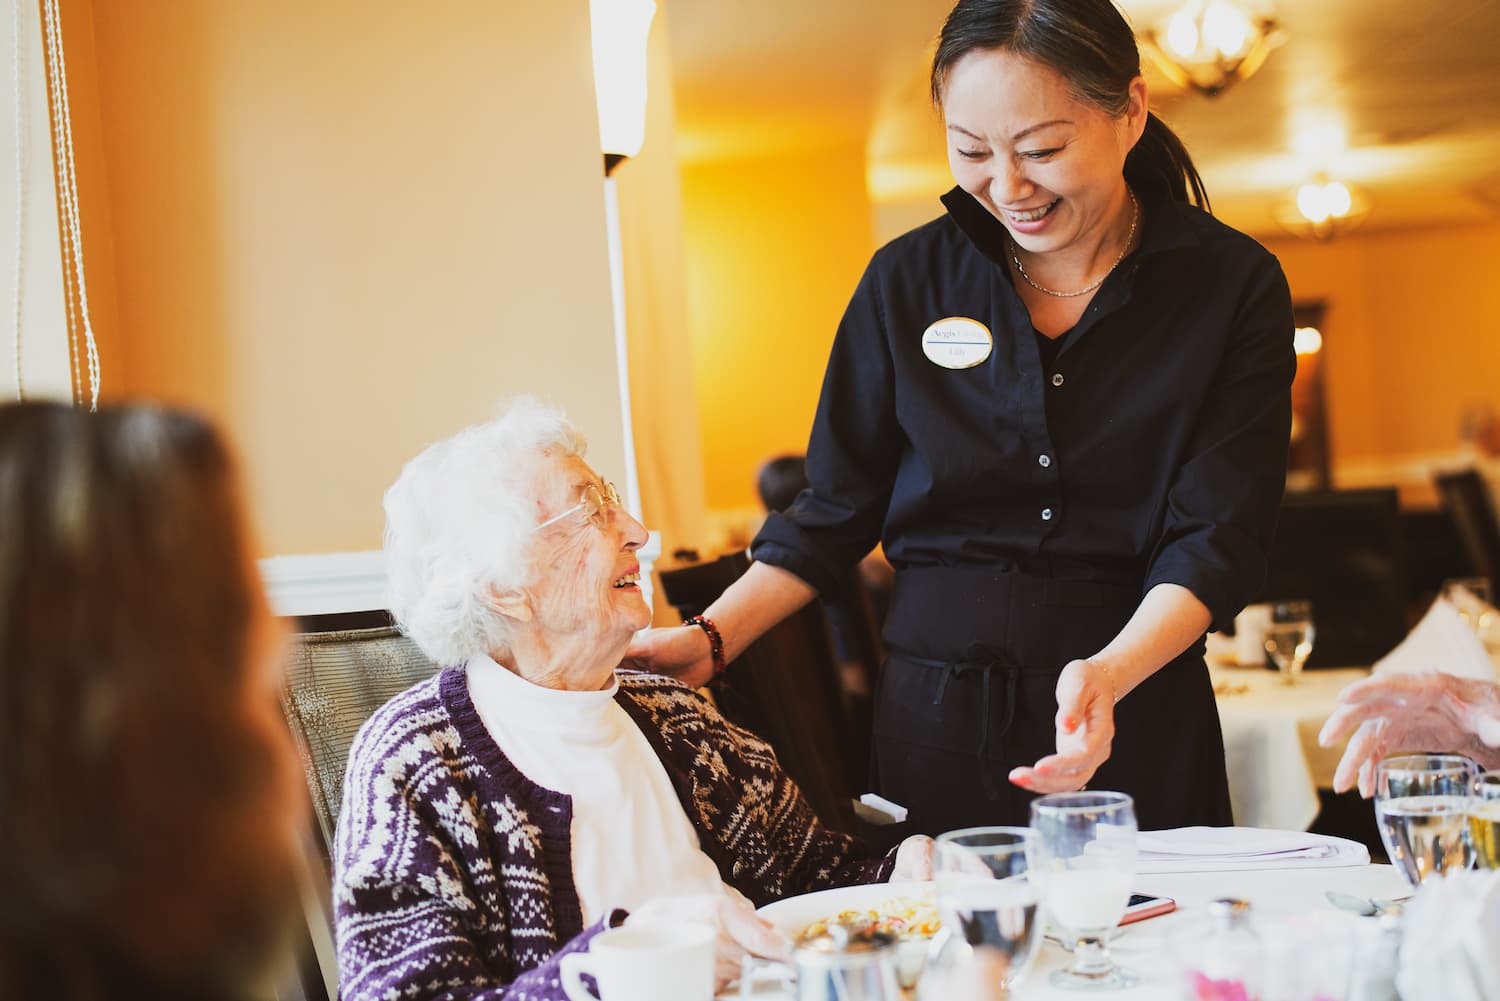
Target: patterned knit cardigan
453, 871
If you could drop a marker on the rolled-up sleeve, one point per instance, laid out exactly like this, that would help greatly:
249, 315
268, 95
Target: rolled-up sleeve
1221, 507
851, 456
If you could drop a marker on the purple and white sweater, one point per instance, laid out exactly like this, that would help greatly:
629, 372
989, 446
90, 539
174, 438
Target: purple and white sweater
453, 871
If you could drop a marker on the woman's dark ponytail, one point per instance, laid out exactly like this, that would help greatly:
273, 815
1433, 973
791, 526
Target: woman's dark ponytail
1160, 156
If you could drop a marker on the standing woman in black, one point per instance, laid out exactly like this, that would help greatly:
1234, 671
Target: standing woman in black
1064, 408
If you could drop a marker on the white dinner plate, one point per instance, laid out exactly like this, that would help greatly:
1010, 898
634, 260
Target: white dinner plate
791, 915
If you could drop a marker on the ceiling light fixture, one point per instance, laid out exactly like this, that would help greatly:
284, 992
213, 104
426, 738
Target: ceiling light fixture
1322, 208
1209, 44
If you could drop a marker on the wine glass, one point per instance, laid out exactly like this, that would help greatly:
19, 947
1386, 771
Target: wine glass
1421, 807
1484, 820
1082, 858
985, 899
1289, 638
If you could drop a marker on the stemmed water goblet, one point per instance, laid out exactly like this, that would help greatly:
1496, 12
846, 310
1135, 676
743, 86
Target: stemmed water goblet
1289, 638
1082, 859
1422, 809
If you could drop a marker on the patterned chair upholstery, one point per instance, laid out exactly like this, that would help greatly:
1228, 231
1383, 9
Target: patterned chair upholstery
335, 681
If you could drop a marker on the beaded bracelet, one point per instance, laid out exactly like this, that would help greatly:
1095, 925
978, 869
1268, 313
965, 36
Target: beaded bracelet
715, 642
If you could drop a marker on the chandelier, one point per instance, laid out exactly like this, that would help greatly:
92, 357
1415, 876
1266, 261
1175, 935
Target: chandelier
1322, 208
1209, 44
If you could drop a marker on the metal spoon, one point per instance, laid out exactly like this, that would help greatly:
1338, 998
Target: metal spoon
1365, 906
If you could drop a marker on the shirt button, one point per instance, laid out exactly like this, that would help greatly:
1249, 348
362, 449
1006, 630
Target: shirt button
1057, 379
1046, 514
1044, 461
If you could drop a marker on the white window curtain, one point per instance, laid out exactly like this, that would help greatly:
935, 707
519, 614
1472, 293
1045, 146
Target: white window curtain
48, 341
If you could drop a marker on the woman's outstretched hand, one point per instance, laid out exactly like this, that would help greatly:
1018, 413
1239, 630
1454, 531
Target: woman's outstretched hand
1085, 731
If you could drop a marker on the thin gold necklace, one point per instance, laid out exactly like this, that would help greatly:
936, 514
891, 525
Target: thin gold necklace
1135, 216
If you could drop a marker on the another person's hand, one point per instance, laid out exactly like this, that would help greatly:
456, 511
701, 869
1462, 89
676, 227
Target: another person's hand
680, 652
1085, 731
741, 930
1411, 712
913, 859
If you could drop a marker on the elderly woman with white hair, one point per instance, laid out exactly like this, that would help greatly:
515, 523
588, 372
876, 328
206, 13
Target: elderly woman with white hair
531, 794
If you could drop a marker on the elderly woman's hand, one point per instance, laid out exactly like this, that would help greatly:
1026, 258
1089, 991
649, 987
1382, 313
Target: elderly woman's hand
680, 652
1411, 712
913, 859
1085, 730
741, 930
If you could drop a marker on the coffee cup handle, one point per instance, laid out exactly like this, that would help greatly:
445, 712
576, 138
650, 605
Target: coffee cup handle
574, 965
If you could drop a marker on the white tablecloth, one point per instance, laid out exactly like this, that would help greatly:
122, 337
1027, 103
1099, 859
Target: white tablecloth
1271, 742
1146, 947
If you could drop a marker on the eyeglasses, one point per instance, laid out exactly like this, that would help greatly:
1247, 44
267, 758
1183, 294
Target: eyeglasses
595, 504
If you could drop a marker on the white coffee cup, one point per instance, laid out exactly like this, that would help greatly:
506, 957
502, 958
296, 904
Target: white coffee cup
665, 961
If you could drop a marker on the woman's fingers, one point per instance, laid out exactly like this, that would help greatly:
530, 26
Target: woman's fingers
752, 933
914, 859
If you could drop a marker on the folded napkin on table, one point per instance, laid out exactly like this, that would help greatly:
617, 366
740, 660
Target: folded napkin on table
1450, 949
1204, 849
1441, 641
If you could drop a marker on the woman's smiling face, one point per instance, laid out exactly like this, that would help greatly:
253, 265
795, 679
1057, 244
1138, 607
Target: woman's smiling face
1047, 165
587, 572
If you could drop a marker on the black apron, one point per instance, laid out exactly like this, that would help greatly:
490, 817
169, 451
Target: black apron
968, 692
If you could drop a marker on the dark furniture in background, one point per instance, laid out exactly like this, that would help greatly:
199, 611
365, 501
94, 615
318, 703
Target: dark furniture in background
1466, 497
1342, 550
785, 688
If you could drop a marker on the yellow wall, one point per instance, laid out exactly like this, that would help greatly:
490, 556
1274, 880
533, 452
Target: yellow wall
345, 229
774, 249
1410, 334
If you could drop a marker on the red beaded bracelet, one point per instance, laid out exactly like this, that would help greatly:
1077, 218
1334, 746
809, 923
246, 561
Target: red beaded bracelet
715, 642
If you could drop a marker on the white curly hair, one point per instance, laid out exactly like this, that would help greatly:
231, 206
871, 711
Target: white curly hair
458, 525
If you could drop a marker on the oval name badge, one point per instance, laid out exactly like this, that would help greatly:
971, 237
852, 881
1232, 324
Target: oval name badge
957, 342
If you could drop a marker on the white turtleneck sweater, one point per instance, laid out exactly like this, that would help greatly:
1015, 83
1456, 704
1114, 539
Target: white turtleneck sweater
632, 842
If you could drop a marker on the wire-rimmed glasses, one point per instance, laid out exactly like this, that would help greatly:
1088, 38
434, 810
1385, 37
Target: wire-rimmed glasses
596, 504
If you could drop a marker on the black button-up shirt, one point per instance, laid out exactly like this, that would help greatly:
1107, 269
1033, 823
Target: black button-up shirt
1152, 449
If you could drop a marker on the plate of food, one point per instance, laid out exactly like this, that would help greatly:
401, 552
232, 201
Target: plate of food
906, 911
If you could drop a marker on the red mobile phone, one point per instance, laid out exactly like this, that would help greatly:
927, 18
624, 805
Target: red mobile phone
1142, 907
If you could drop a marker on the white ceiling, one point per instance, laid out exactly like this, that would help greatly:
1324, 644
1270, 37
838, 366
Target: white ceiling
1412, 85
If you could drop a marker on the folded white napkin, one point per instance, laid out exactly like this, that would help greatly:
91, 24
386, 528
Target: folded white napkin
1450, 950
1441, 641
1205, 849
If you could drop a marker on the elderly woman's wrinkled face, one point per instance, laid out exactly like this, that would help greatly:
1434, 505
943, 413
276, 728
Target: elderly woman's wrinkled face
586, 572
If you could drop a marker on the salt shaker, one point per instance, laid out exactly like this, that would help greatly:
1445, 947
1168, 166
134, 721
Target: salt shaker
1222, 958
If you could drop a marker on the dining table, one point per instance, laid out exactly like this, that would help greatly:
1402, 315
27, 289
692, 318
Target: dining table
1154, 949
1271, 752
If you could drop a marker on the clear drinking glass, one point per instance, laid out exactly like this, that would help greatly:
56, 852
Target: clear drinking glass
1484, 820
1289, 638
985, 898
1082, 857
1422, 808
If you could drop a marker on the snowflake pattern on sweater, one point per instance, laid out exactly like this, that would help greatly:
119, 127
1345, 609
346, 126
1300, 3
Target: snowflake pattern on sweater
453, 871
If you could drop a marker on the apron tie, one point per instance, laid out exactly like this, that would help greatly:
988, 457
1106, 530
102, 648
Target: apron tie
983, 660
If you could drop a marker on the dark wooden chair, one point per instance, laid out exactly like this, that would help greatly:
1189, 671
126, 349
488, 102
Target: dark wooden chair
1342, 550
785, 688
1467, 499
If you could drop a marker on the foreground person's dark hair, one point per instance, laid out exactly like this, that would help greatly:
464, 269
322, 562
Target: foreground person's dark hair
145, 776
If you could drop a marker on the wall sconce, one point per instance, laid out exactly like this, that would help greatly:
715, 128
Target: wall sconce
620, 28
1322, 208
1307, 340
1209, 44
